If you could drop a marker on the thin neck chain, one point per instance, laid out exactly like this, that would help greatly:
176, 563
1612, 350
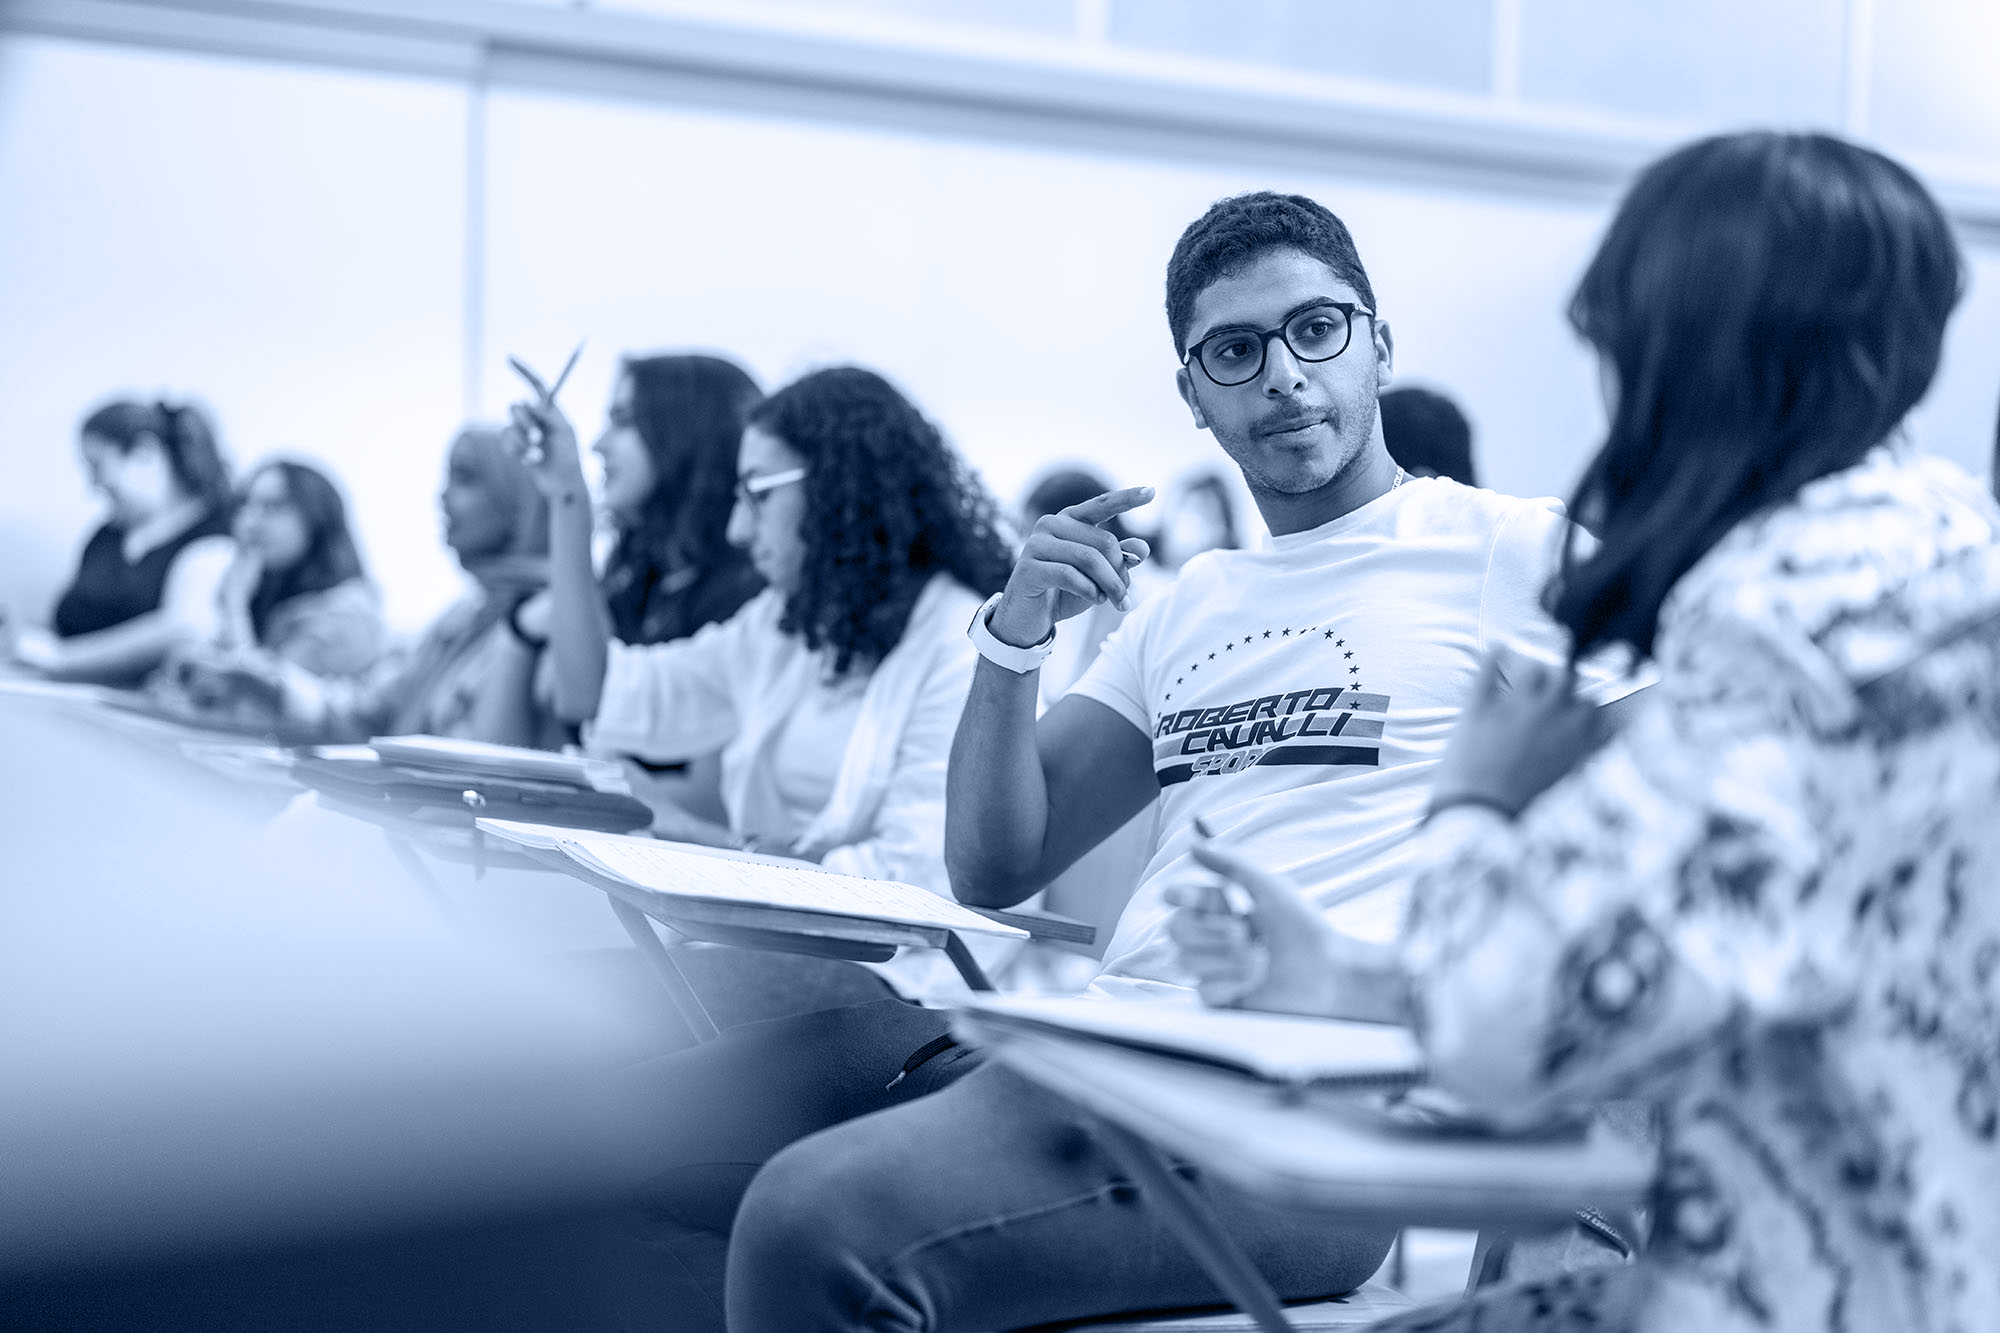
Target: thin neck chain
1401, 477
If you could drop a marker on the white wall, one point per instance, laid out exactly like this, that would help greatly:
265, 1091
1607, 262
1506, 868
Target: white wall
291, 243
285, 243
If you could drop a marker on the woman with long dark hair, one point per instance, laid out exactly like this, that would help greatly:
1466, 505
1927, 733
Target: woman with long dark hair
294, 598
146, 582
1763, 906
297, 591
669, 460
833, 695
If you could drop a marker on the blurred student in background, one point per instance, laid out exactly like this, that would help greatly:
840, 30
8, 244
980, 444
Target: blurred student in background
1199, 515
295, 594
148, 578
297, 590
468, 675
1427, 434
1765, 904
833, 694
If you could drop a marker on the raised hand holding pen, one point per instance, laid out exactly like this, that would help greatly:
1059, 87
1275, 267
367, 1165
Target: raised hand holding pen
544, 439
1068, 564
579, 628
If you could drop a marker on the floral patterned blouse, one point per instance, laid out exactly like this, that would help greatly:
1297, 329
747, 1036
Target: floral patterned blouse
1771, 906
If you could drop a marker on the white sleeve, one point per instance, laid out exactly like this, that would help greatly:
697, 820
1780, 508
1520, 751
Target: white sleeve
1117, 679
192, 597
1527, 552
670, 701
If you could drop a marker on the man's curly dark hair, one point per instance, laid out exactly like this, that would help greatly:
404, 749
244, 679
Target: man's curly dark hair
1236, 232
888, 504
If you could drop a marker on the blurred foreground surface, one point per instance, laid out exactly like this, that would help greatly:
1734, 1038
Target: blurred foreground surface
245, 1087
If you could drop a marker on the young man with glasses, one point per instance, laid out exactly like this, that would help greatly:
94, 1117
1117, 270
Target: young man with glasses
1293, 697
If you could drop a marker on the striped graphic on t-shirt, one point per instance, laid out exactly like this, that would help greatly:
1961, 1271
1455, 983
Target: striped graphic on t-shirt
1322, 725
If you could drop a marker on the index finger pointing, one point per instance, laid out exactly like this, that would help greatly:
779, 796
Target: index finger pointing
1100, 508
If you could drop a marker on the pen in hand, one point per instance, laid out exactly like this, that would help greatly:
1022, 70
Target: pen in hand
543, 391
1216, 898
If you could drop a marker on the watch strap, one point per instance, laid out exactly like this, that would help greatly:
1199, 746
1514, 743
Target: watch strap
1018, 660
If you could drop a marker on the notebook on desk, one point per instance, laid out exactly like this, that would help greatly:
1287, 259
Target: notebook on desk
1278, 1047
448, 754
709, 874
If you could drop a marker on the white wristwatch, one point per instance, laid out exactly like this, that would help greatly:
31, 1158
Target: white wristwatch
1020, 661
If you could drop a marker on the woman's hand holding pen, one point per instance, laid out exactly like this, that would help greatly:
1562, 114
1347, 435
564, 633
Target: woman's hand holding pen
1517, 739
544, 439
1281, 955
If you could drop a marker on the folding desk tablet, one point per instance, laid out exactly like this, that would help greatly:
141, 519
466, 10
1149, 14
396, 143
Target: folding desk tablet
1283, 1107
754, 902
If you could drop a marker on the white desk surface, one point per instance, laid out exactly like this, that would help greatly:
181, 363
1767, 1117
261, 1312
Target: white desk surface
1314, 1151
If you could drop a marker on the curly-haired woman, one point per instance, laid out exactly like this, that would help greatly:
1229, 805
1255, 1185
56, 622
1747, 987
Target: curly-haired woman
833, 694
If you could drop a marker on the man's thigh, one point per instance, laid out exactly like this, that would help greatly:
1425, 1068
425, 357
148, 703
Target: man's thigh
989, 1205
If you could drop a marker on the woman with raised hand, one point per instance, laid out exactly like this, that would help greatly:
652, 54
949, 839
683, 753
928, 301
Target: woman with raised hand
148, 578
1764, 905
669, 457
834, 694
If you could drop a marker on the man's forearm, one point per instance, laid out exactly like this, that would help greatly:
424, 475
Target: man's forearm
579, 631
996, 798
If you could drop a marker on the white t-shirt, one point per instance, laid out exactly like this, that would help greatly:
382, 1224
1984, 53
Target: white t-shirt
810, 747
1299, 696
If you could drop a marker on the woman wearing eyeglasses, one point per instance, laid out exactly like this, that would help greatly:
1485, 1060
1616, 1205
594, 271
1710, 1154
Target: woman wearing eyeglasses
1766, 905
834, 694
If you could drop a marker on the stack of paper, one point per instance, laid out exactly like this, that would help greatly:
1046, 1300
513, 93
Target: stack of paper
682, 870
480, 759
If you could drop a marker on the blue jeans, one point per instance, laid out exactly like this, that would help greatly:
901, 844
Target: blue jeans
798, 1192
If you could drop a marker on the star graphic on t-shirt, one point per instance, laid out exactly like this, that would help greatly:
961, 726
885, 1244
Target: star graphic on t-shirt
1340, 643
1354, 671
1288, 632
1329, 634
1267, 634
1211, 657
1246, 638
1229, 647
1348, 653
1179, 679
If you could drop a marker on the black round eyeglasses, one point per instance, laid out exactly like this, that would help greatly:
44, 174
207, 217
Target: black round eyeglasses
1236, 356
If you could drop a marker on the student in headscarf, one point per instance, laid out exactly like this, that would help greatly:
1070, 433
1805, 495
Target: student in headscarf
466, 677
146, 582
